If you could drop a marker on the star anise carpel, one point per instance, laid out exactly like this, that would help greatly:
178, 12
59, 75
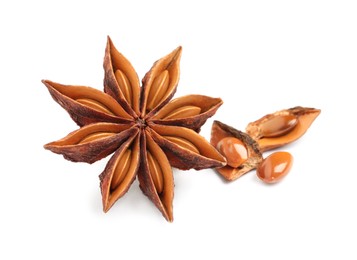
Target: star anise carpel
146, 131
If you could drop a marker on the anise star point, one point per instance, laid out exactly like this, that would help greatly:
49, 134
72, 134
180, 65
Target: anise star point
146, 131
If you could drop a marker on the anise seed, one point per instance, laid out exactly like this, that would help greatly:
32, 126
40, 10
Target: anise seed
121, 169
95, 136
183, 143
278, 125
124, 85
158, 89
234, 150
94, 104
275, 167
156, 173
183, 112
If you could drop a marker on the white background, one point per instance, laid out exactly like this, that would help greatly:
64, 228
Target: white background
258, 56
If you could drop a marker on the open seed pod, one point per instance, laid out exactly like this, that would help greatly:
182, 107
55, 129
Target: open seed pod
240, 150
282, 127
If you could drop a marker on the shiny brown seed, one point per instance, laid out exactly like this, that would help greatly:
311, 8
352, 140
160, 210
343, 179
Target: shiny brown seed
275, 167
95, 105
124, 85
184, 143
158, 89
234, 150
95, 136
278, 125
156, 173
121, 169
184, 112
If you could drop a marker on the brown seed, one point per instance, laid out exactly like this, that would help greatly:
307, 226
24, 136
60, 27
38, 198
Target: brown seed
156, 173
275, 167
234, 150
158, 89
278, 125
124, 85
184, 143
121, 169
95, 105
95, 136
184, 112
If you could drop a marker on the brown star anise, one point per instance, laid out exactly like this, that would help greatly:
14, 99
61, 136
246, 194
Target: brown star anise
147, 132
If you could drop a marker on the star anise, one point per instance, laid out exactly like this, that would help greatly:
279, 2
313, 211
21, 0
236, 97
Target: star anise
146, 131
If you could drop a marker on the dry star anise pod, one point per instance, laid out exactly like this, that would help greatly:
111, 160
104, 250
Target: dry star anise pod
282, 127
146, 131
240, 150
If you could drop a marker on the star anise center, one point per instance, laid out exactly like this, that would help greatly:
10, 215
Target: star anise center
141, 123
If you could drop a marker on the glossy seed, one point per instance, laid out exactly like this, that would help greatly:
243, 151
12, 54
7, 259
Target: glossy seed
121, 169
95, 136
275, 167
155, 173
95, 105
278, 125
184, 112
184, 143
234, 150
158, 89
124, 85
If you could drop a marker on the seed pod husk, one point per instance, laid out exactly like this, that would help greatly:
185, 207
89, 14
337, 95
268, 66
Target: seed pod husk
288, 125
220, 131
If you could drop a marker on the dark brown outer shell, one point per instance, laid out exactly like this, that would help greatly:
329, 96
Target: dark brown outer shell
163, 201
220, 131
110, 197
81, 114
92, 151
113, 59
170, 61
182, 158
